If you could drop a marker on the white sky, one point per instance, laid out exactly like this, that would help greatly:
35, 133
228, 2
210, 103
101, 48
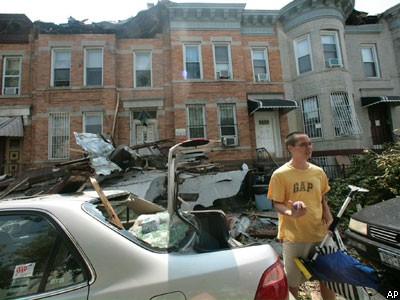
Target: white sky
115, 10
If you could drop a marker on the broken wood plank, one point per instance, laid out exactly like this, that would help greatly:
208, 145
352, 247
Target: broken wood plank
14, 187
113, 217
76, 161
150, 144
266, 214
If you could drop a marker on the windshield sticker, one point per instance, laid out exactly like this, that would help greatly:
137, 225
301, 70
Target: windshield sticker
25, 270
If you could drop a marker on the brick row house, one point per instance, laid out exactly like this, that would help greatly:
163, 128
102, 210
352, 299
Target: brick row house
201, 70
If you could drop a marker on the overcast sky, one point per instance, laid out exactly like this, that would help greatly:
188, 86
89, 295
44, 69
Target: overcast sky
100, 10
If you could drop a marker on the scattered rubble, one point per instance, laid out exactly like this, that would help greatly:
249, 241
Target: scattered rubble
203, 185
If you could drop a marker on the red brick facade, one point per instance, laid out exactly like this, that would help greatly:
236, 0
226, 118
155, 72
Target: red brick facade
168, 88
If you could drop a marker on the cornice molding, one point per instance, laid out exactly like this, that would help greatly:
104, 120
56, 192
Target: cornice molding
392, 17
260, 17
201, 12
300, 11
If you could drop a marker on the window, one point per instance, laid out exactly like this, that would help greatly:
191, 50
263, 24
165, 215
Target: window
260, 64
222, 61
302, 51
35, 258
142, 69
94, 66
370, 61
311, 117
58, 135
196, 121
330, 48
227, 123
143, 126
192, 62
11, 75
93, 122
61, 67
345, 121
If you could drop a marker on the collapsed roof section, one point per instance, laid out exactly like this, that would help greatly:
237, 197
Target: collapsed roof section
15, 28
146, 24
360, 18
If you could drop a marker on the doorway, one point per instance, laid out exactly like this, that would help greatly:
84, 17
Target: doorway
381, 125
268, 132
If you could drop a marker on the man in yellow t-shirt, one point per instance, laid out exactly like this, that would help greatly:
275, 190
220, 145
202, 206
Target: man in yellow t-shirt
297, 189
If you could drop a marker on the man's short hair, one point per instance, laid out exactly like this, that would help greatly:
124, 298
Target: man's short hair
291, 138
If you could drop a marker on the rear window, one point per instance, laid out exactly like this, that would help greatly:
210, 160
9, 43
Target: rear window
145, 223
35, 257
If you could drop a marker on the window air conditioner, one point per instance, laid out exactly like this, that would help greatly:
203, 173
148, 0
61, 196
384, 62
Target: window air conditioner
223, 74
229, 141
334, 62
10, 91
262, 77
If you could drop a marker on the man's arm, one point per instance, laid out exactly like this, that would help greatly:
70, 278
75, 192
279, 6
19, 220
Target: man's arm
326, 212
290, 211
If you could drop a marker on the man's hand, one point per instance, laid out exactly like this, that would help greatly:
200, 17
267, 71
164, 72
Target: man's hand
297, 208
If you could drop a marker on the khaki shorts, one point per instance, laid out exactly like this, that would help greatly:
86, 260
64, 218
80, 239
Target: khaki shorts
290, 251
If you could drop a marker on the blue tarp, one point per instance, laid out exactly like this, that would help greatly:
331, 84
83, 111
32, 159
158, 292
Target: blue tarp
343, 268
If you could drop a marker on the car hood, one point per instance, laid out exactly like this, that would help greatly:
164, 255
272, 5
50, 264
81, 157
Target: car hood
383, 214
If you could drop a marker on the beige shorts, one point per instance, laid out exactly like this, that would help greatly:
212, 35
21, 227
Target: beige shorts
290, 251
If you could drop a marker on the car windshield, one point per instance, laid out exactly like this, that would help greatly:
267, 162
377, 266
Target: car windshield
144, 222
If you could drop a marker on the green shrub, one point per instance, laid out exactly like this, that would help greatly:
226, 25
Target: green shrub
379, 173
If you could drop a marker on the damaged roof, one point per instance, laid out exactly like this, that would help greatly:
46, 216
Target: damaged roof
15, 28
361, 18
146, 24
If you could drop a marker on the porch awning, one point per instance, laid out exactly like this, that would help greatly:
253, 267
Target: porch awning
368, 101
283, 105
11, 126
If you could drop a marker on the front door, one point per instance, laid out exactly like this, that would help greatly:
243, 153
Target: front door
2, 155
13, 155
144, 134
381, 125
267, 132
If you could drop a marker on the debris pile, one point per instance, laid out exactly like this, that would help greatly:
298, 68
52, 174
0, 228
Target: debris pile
202, 184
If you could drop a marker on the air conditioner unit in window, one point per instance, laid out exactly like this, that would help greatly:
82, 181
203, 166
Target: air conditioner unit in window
262, 77
10, 91
334, 62
223, 74
228, 141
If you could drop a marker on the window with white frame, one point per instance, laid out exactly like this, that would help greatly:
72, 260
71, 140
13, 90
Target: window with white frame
222, 61
142, 68
227, 123
192, 62
312, 117
331, 48
260, 64
11, 75
302, 50
93, 66
345, 121
370, 61
196, 121
59, 138
61, 67
93, 122
143, 126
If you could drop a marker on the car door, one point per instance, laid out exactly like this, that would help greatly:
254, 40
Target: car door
37, 259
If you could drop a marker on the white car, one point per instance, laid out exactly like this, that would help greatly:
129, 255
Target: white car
74, 247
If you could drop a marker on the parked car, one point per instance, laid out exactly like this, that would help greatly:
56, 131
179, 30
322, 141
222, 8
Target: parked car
115, 245
374, 232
